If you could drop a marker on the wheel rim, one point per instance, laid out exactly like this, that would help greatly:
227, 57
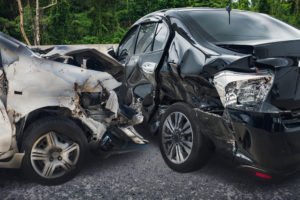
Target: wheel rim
52, 155
177, 137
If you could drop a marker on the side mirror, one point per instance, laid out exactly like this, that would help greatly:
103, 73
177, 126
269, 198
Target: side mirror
111, 51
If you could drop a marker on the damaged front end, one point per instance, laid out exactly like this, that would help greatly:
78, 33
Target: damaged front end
35, 86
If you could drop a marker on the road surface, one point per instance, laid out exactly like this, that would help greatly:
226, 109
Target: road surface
144, 175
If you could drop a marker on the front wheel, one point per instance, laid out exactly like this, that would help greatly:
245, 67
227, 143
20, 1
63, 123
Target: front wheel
54, 150
183, 146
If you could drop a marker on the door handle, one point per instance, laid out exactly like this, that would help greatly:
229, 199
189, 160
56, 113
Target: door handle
148, 67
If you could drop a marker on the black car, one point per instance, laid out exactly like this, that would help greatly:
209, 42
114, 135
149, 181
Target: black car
210, 79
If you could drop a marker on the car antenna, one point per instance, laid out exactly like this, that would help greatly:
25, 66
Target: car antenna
228, 9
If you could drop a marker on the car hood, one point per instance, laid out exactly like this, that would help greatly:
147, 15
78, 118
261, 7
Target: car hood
84, 57
38, 82
264, 48
63, 50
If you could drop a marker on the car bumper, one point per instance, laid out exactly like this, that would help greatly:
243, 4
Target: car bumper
270, 142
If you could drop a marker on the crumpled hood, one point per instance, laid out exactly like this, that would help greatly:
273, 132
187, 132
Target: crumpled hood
35, 82
63, 50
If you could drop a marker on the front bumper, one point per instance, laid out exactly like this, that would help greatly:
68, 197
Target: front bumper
269, 141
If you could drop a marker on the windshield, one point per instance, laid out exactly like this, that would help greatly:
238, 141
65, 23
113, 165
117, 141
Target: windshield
214, 26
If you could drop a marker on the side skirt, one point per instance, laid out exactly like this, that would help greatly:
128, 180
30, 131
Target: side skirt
15, 162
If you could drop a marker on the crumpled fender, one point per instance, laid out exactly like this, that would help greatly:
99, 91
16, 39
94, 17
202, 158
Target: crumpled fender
34, 83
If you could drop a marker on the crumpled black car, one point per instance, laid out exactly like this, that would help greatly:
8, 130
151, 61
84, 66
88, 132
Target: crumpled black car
212, 80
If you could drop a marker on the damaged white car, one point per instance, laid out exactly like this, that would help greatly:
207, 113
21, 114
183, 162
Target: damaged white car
51, 110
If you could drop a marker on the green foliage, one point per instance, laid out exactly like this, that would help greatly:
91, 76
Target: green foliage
106, 21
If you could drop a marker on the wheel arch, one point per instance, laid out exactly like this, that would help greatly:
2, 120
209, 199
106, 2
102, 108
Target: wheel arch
44, 112
208, 137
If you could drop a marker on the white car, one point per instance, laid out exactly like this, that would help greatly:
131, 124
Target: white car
51, 109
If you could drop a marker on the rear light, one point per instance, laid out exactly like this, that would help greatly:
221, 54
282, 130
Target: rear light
241, 90
263, 175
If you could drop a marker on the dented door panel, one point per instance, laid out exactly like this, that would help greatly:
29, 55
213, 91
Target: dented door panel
245, 91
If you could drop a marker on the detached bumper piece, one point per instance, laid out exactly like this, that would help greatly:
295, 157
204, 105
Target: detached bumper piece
268, 142
121, 140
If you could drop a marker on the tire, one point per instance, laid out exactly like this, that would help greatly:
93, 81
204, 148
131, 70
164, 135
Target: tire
185, 148
55, 144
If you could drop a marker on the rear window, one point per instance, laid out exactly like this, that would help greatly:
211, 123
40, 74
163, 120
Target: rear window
214, 26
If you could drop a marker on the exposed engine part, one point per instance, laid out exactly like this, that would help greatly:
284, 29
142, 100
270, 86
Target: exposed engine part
88, 99
129, 115
105, 108
93, 104
112, 103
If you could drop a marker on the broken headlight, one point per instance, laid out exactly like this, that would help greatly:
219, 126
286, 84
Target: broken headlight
243, 89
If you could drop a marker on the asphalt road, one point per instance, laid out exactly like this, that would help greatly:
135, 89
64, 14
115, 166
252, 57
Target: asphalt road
144, 175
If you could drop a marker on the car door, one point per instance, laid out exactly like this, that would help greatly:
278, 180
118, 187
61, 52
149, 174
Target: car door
141, 67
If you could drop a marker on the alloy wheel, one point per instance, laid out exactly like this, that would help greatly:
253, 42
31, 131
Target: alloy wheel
177, 137
53, 156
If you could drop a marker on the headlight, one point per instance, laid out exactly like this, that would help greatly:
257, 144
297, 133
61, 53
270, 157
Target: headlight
243, 89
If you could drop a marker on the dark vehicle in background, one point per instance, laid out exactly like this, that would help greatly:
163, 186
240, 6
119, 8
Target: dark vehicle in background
207, 83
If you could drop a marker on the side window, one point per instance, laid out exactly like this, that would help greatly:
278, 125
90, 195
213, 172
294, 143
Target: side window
126, 48
145, 38
161, 37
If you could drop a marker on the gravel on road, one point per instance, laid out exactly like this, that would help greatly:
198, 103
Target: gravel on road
144, 175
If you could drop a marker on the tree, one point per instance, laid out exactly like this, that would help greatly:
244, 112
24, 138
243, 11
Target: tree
263, 6
22, 22
106, 21
244, 4
38, 10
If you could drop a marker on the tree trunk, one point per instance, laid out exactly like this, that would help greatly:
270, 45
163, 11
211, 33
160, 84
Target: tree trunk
22, 22
37, 30
37, 35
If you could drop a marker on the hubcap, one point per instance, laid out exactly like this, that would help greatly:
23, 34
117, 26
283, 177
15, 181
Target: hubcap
52, 155
177, 137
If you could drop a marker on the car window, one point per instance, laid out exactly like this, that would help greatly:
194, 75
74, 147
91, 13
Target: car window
160, 37
127, 45
145, 38
213, 26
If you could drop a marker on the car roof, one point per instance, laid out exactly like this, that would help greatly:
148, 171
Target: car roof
154, 16
171, 10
